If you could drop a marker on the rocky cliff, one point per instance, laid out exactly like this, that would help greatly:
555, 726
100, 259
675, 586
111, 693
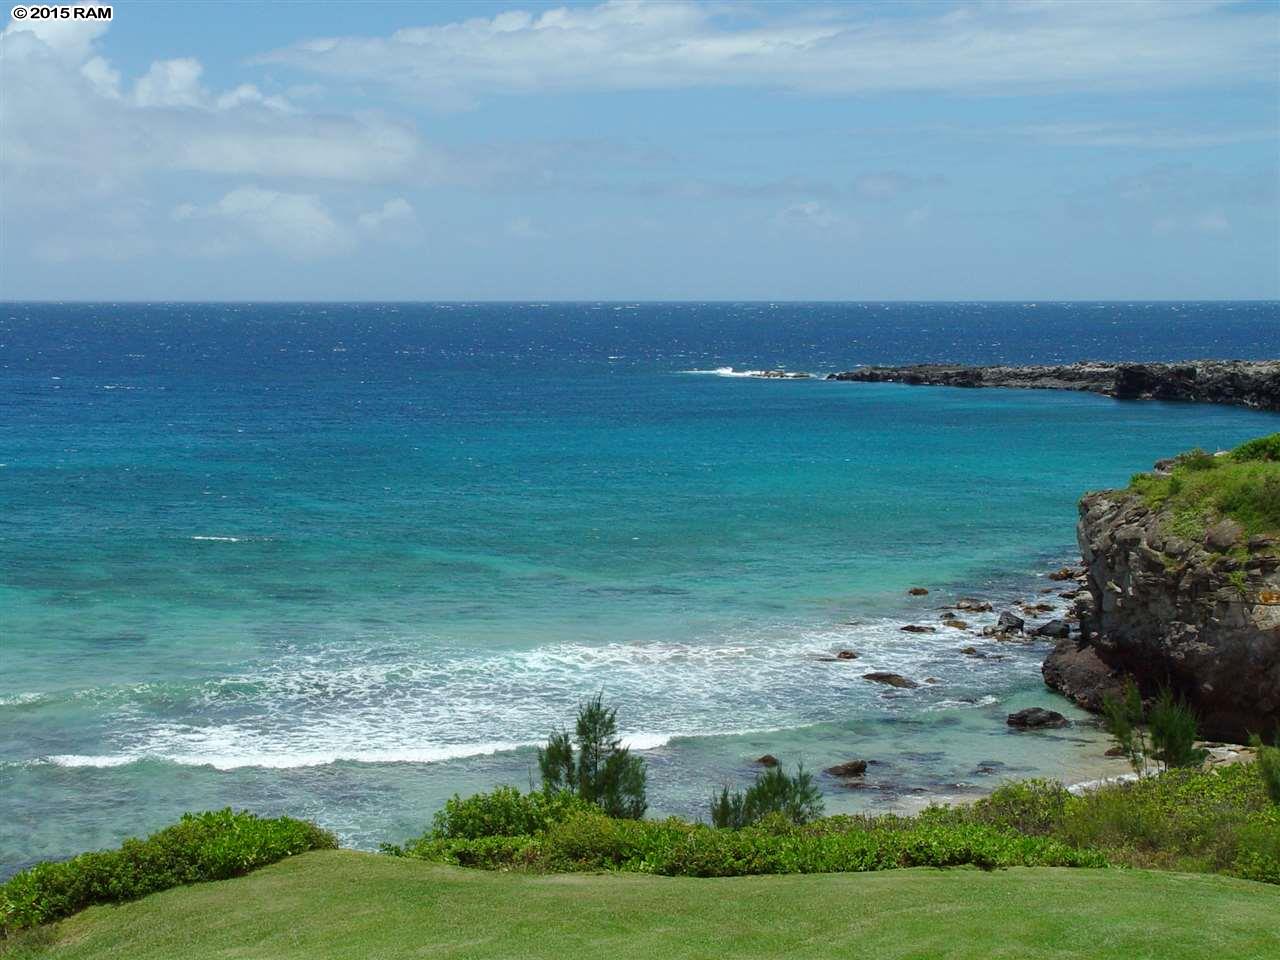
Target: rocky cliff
1199, 615
1250, 383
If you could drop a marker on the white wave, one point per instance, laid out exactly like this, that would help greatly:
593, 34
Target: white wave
220, 539
727, 372
283, 761
80, 760
21, 699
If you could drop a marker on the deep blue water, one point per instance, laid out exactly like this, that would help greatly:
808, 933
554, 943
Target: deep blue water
343, 560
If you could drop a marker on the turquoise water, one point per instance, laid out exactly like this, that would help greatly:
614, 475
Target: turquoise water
343, 561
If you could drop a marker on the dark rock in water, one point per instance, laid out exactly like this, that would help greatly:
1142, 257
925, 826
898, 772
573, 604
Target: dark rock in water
972, 652
972, 605
1057, 629
1065, 573
1010, 623
844, 655
955, 624
892, 679
854, 768
1115, 752
1033, 718
768, 760
916, 628
779, 375
1037, 607
918, 592
1077, 673
1173, 613
932, 680
1249, 383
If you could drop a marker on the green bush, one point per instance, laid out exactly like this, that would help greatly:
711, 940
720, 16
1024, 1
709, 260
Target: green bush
1269, 765
1258, 856
1165, 733
795, 798
1032, 807
1202, 488
602, 771
504, 812
201, 846
1261, 448
591, 841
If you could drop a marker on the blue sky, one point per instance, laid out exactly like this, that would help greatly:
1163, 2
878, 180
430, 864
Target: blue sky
1022, 150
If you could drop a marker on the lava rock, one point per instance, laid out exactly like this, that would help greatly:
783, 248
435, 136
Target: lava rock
1035, 718
891, 679
1057, 629
854, 768
1010, 623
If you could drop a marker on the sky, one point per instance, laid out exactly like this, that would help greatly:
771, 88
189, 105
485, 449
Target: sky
1057, 150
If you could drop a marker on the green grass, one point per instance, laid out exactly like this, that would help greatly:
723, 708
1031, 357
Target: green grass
342, 904
1202, 489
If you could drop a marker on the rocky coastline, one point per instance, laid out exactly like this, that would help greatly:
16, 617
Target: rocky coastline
1201, 617
1249, 383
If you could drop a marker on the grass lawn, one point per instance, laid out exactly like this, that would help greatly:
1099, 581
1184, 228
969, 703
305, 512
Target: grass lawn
344, 904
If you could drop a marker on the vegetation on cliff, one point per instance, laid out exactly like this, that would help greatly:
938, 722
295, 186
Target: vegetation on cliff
1199, 489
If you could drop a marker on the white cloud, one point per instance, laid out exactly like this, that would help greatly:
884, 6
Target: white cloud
70, 130
171, 83
297, 225
809, 213
963, 48
394, 211
1143, 136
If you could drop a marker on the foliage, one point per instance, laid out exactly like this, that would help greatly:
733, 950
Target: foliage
1173, 732
1165, 734
1261, 448
1122, 717
201, 846
1201, 489
796, 798
1185, 819
504, 812
603, 771
591, 841
1269, 765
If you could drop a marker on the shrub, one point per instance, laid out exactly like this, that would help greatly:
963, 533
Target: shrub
1166, 733
1258, 857
795, 798
1261, 448
504, 812
1033, 807
1269, 765
201, 846
1173, 732
1201, 488
603, 772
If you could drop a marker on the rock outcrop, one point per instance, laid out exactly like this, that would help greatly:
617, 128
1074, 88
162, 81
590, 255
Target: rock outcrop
1249, 383
1201, 617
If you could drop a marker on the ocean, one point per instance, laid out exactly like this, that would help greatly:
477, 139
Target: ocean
345, 560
